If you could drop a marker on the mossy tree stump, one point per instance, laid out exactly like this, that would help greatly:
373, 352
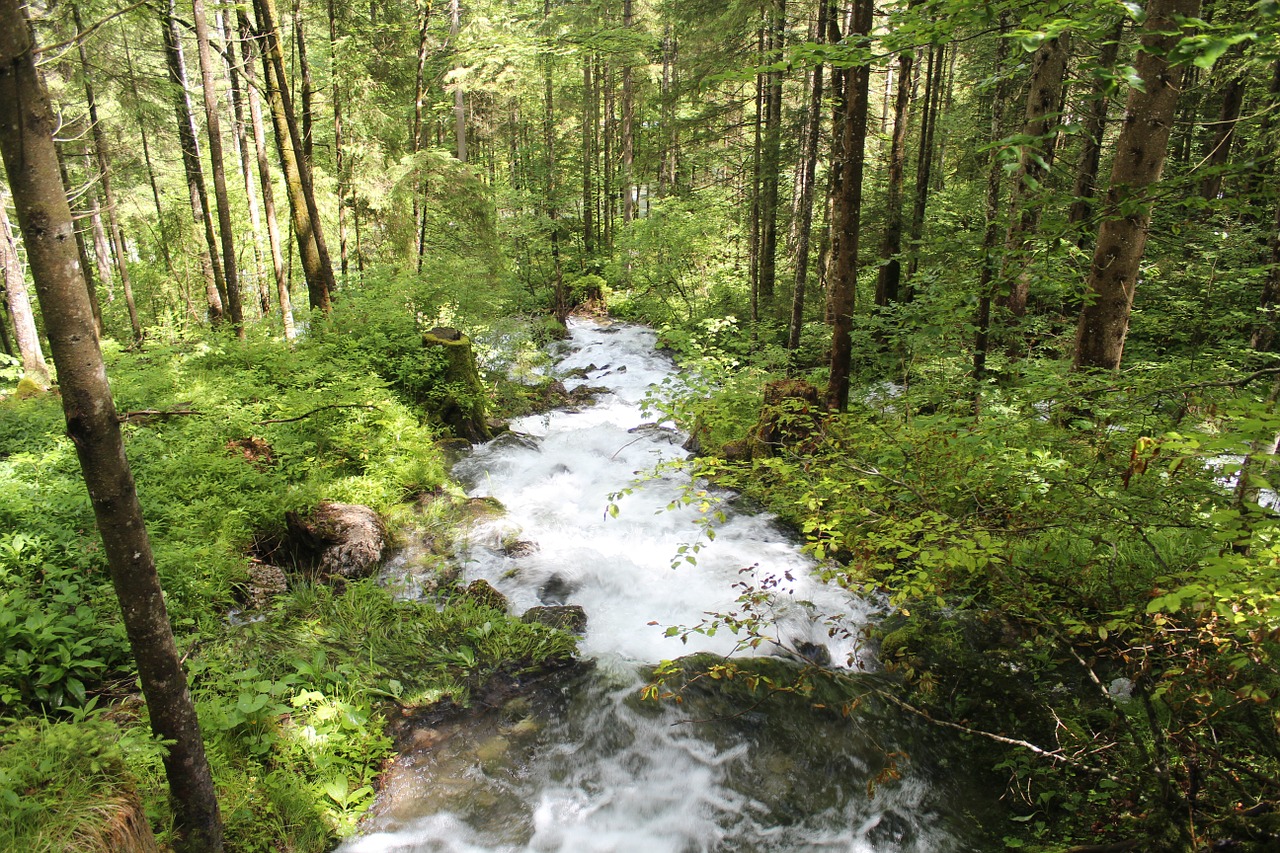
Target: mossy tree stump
460, 402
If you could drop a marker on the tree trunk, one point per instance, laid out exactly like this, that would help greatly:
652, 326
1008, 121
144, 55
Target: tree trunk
560, 300
459, 98
589, 122
146, 156
1140, 154
26, 142
1218, 146
312, 251
757, 157
308, 89
991, 235
89, 287
339, 158
19, 303
771, 155
808, 170
889, 276
1264, 330
1095, 123
848, 212
101, 251
1044, 108
419, 105
264, 180
230, 267
215, 285
924, 161
628, 125
245, 159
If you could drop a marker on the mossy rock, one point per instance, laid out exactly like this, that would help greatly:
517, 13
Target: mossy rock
29, 387
483, 593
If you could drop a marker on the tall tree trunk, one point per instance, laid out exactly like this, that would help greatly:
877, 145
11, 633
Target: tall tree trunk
339, 156
316, 266
889, 276
1218, 146
610, 187
211, 266
264, 180
308, 88
1263, 338
146, 156
754, 240
19, 303
419, 106
213, 124
1043, 110
560, 299
589, 122
244, 158
92, 291
628, 125
459, 98
101, 251
924, 161
1140, 155
1095, 123
848, 211
771, 155
991, 235
808, 170
26, 143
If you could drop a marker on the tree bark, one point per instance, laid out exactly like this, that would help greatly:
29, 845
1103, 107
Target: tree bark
146, 157
339, 156
1218, 146
848, 212
1095, 124
771, 154
26, 143
316, 266
19, 303
924, 161
991, 235
215, 285
92, 291
213, 125
589, 122
1263, 338
245, 159
628, 125
459, 97
264, 180
808, 172
1140, 155
1044, 107
308, 89
889, 276
419, 105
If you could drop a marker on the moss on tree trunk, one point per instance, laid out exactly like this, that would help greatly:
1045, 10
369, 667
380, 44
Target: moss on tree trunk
459, 405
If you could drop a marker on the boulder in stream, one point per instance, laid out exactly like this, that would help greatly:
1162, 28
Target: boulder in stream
483, 593
566, 617
347, 540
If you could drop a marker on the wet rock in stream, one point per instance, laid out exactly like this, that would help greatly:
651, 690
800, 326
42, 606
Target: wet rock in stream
565, 617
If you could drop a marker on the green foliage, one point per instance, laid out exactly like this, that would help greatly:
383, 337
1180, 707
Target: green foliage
71, 787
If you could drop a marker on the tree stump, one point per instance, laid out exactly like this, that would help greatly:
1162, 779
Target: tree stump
460, 405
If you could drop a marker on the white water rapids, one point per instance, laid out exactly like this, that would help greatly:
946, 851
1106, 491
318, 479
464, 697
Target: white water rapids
593, 768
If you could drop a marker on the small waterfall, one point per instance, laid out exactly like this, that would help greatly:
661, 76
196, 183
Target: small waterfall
591, 767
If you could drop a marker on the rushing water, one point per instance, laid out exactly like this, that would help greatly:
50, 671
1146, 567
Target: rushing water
591, 767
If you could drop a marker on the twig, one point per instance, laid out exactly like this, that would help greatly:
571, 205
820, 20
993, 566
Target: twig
88, 31
315, 411
142, 416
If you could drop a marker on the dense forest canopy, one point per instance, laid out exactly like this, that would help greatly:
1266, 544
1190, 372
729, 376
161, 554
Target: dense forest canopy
980, 297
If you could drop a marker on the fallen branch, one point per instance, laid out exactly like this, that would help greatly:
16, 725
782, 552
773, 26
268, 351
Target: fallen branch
146, 416
315, 411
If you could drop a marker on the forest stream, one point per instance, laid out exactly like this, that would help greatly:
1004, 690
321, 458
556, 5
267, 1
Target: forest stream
586, 765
